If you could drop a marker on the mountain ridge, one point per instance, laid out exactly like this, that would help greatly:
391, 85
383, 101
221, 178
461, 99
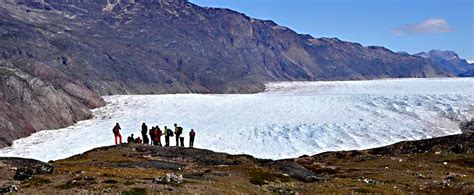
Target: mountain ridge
173, 46
450, 61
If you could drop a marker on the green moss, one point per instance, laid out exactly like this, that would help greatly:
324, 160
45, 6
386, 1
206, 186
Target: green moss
261, 178
136, 191
363, 190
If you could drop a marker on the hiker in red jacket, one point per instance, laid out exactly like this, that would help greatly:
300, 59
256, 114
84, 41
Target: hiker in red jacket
138, 140
157, 133
116, 131
192, 134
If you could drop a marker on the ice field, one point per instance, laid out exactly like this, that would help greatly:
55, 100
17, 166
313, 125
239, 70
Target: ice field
289, 119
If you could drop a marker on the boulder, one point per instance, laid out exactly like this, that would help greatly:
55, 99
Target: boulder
169, 178
296, 171
8, 188
23, 174
467, 127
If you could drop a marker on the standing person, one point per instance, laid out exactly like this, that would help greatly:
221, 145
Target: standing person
158, 135
116, 131
168, 134
152, 135
144, 132
177, 131
192, 134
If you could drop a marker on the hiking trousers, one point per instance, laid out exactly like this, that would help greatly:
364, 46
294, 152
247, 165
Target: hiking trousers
181, 139
191, 142
145, 138
177, 139
120, 138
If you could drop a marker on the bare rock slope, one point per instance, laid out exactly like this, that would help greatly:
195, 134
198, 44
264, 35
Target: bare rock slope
27, 104
84, 49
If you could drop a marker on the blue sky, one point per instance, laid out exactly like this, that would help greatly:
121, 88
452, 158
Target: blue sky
400, 25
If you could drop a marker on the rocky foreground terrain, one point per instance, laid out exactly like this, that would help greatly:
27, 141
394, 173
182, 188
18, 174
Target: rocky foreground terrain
441, 165
79, 50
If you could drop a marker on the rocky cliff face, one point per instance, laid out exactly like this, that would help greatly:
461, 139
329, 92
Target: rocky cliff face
85, 48
28, 104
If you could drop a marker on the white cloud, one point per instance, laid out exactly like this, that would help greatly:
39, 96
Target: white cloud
430, 26
470, 61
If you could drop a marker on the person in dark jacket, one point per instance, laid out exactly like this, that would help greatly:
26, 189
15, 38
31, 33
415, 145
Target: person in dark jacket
178, 131
116, 131
144, 132
168, 134
192, 134
152, 136
130, 139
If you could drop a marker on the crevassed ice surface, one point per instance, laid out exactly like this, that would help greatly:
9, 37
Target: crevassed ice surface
289, 119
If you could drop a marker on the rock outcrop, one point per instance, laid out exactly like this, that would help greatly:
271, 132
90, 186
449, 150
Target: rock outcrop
28, 104
439, 165
13, 171
467, 127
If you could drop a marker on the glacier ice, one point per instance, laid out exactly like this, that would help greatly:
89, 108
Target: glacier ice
289, 119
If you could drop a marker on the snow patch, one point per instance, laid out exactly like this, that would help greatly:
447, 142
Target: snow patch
289, 119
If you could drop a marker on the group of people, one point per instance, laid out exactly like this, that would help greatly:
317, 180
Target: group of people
155, 134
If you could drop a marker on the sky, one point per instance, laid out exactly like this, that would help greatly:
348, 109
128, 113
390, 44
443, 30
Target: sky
400, 25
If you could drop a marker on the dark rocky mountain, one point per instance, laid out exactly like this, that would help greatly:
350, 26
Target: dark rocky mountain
83, 49
449, 61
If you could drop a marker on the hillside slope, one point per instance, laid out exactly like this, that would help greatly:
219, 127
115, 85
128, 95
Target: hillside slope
166, 46
98, 48
440, 165
28, 104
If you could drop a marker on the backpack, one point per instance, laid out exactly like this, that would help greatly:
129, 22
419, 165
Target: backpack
115, 130
179, 130
170, 133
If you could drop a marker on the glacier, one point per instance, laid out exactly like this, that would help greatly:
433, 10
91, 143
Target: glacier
288, 119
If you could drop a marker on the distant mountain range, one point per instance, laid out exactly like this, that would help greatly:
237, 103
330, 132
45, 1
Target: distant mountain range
450, 61
59, 56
